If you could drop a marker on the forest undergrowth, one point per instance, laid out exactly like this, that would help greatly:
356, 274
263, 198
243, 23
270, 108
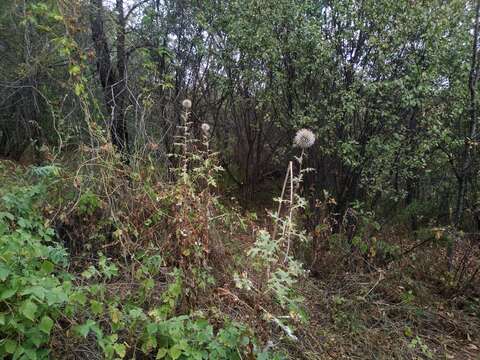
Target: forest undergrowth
108, 260
314, 196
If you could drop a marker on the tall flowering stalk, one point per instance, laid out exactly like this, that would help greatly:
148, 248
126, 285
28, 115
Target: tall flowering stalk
185, 138
278, 270
303, 139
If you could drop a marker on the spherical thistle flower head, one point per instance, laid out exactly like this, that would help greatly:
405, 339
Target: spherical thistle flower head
187, 104
206, 128
304, 139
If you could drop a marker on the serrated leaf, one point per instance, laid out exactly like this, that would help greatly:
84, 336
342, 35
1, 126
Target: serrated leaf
152, 329
161, 353
28, 309
6, 215
175, 353
46, 324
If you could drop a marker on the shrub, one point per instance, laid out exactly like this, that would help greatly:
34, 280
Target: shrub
33, 286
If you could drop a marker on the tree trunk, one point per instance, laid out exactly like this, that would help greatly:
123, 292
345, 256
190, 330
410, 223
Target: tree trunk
113, 80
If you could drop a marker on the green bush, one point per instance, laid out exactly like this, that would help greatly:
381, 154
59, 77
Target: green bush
33, 288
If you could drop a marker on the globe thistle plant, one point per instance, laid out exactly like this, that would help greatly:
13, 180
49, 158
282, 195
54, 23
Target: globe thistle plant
206, 129
184, 140
279, 276
187, 104
304, 139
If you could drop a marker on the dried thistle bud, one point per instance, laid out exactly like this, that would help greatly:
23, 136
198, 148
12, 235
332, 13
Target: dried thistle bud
187, 104
304, 139
206, 129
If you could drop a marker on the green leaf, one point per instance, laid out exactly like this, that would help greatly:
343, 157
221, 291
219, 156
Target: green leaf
79, 89
161, 353
4, 272
175, 352
10, 346
38, 291
6, 215
28, 309
149, 344
7, 293
31, 354
263, 356
46, 324
96, 307
18, 352
78, 297
74, 70
47, 267
36, 338
56, 296
120, 349
84, 329
152, 329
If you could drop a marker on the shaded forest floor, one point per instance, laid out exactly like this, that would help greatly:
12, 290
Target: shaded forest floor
370, 317
400, 311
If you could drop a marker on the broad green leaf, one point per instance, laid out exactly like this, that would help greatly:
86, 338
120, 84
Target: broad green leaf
31, 354
7, 293
10, 346
47, 267
46, 324
38, 291
36, 337
28, 309
4, 272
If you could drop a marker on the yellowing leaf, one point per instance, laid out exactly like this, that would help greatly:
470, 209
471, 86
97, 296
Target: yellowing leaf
120, 349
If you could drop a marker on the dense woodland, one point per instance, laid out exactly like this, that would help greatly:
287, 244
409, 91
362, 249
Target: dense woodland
239, 179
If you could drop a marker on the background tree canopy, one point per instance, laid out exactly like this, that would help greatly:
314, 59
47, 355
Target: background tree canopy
384, 85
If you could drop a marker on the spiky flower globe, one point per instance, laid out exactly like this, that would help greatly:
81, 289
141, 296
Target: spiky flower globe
304, 139
206, 128
187, 104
